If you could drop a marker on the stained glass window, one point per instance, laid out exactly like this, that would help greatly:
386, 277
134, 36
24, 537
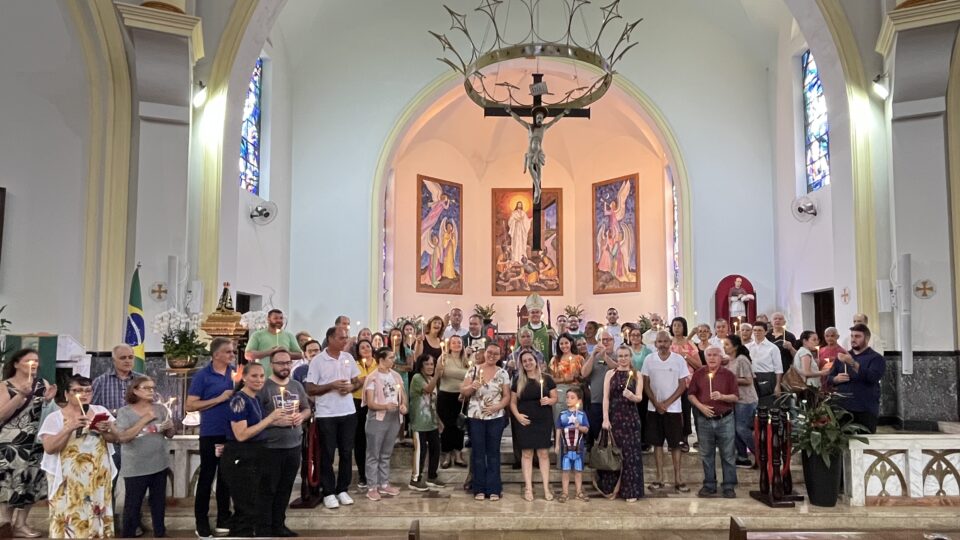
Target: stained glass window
250, 132
816, 127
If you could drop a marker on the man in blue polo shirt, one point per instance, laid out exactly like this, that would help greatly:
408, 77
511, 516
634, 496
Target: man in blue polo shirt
856, 378
210, 393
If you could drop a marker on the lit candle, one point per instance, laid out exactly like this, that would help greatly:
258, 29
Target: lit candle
629, 376
346, 366
710, 376
396, 340
283, 404
541, 387
277, 335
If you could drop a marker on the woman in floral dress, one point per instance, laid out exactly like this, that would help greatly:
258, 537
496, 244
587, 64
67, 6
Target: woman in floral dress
78, 464
487, 387
622, 390
22, 397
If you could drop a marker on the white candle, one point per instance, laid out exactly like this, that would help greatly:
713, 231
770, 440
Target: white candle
710, 376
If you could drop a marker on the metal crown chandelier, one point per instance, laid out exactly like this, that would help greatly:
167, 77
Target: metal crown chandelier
472, 56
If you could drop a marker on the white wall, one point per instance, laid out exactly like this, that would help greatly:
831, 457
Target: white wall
263, 251
43, 151
708, 83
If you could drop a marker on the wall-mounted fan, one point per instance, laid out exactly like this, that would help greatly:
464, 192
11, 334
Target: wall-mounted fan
263, 213
803, 209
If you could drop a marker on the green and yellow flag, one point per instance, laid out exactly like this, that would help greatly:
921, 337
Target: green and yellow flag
136, 328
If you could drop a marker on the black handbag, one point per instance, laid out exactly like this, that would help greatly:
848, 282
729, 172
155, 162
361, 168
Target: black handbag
605, 455
462, 417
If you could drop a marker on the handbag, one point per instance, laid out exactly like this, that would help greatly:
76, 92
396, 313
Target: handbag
793, 381
765, 383
605, 455
462, 416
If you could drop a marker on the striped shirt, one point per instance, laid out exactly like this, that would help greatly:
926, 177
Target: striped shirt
109, 390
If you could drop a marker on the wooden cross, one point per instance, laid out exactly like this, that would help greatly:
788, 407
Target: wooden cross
537, 89
924, 289
159, 292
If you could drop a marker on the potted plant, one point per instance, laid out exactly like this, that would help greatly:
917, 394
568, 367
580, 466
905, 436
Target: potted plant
822, 432
485, 313
181, 339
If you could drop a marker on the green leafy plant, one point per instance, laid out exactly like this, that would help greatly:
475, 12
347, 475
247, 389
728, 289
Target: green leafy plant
484, 312
183, 342
644, 323
823, 428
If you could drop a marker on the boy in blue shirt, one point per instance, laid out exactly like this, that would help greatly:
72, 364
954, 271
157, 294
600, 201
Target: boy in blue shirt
572, 425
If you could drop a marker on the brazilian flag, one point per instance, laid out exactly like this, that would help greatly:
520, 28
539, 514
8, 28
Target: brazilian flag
136, 329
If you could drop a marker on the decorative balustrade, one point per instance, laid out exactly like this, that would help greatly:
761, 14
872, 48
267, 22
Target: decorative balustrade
904, 469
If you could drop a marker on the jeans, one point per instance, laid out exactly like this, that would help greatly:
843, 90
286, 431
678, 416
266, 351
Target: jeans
485, 436
276, 485
336, 437
743, 415
210, 469
135, 488
717, 434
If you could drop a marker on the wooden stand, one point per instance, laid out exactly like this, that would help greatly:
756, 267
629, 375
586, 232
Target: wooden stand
773, 453
309, 496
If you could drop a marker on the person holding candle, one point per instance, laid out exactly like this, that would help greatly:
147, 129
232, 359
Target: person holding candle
590, 331
682, 346
266, 341
310, 350
572, 427
622, 391
79, 468
543, 335
828, 353
594, 371
784, 339
807, 360
487, 389
767, 365
331, 380
856, 377
525, 343
532, 397
424, 423
144, 427
746, 404
385, 397
430, 341
664, 381
566, 368
22, 400
455, 364
745, 331
367, 364
245, 451
282, 443
714, 391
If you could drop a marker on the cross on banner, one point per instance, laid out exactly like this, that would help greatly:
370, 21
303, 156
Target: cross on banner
535, 156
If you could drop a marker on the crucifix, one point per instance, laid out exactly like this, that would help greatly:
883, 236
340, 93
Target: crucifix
534, 159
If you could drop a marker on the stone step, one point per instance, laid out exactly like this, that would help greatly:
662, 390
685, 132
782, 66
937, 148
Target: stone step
949, 427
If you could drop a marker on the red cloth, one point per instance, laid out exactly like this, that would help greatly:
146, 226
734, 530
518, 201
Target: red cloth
724, 381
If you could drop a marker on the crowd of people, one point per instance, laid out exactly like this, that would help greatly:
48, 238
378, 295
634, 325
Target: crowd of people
437, 387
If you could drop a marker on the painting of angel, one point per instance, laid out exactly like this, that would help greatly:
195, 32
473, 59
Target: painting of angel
615, 232
440, 219
517, 270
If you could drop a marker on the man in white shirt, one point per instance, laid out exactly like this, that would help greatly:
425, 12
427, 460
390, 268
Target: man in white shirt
613, 327
454, 328
332, 377
650, 336
664, 381
767, 365
721, 330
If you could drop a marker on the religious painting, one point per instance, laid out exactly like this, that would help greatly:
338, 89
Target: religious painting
439, 230
517, 270
616, 228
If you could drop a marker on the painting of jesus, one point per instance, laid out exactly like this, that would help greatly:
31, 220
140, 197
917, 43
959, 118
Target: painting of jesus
518, 271
439, 255
615, 233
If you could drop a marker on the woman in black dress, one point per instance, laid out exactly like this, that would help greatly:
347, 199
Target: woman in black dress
531, 403
622, 390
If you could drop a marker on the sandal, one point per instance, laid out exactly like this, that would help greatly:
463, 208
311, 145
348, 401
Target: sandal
681, 488
446, 462
459, 462
583, 497
479, 497
562, 498
528, 494
548, 495
656, 485
494, 497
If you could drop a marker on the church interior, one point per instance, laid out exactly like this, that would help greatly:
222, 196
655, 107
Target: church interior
329, 158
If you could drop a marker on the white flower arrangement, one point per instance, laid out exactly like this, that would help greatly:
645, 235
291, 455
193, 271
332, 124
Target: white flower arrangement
179, 332
254, 320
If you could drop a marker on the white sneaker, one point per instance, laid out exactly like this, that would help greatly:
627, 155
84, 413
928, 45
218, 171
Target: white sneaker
344, 498
330, 501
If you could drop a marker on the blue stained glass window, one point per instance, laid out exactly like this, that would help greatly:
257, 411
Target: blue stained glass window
816, 127
250, 132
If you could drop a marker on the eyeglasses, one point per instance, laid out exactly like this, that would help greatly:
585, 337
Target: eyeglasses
606, 339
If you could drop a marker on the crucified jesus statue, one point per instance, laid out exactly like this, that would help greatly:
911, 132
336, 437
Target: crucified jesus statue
534, 159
